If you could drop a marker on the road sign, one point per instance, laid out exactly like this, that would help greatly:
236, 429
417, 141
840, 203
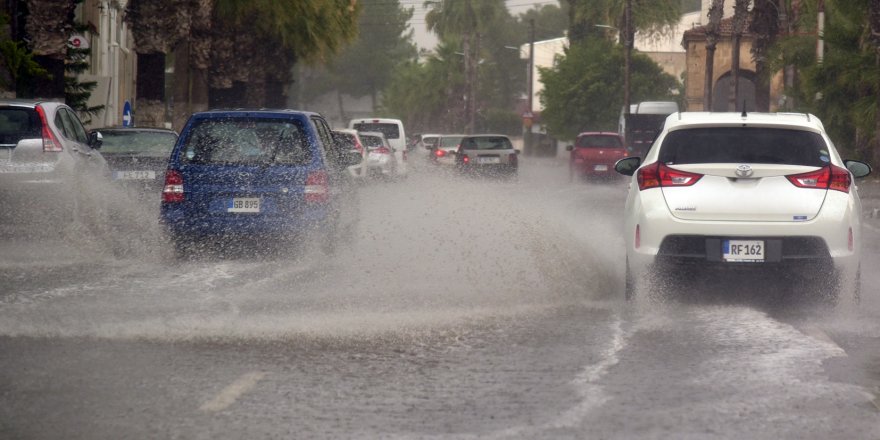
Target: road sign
126, 114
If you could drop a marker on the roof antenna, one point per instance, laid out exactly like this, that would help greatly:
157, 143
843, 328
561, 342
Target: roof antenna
744, 109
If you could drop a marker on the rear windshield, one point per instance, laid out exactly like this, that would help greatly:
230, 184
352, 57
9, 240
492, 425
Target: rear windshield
744, 145
344, 140
599, 141
450, 142
17, 124
259, 141
391, 131
142, 143
372, 141
486, 143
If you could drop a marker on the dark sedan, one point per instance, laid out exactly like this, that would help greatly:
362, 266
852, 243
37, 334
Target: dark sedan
138, 156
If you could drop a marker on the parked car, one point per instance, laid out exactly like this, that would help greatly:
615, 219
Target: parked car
346, 140
443, 151
138, 157
381, 160
594, 154
743, 192
238, 176
487, 155
50, 168
394, 133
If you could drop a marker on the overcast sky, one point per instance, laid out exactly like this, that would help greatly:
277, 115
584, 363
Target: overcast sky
427, 40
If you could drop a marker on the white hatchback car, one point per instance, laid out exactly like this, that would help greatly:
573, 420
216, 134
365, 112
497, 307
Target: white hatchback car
744, 192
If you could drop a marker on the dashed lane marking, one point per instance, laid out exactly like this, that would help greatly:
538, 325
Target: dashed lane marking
231, 393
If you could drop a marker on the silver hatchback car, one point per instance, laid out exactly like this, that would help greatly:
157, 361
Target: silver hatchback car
49, 165
488, 155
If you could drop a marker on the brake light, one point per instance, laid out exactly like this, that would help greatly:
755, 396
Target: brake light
827, 177
439, 153
382, 150
173, 191
50, 142
317, 189
465, 159
658, 175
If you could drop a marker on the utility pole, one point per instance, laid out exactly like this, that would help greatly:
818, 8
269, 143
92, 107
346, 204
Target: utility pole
527, 136
627, 54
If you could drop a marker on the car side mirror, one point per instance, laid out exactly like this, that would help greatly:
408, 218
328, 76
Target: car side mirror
857, 168
569, 147
628, 165
96, 139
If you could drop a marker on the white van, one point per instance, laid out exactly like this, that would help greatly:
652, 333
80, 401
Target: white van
394, 133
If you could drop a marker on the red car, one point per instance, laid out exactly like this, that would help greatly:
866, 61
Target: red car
594, 154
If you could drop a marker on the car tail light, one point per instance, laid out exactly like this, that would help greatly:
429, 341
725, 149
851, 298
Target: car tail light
439, 153
828, 177
658, 174
638, 238
50, 142
317, 188
173, 191
382, 150
358, 146
465, 159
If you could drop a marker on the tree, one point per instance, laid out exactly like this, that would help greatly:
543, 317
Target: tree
713, 32
366, 66
765, 28
583, 92
740, 16
647, 15
466, 19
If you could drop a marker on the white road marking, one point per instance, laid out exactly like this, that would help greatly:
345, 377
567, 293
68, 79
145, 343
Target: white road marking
228, 395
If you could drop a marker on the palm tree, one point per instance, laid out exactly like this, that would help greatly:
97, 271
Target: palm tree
713, 31
740, 16
765, 27
448, 18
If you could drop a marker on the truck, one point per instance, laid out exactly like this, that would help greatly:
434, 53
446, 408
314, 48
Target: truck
643, 123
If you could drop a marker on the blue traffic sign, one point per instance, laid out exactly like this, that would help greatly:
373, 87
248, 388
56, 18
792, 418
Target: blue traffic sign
126, 114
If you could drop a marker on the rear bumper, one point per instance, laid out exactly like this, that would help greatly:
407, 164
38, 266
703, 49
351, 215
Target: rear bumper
179, 222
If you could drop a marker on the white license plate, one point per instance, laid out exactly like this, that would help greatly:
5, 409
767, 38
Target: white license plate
242, 204
600, 168
134, 175
484, 160
743, 251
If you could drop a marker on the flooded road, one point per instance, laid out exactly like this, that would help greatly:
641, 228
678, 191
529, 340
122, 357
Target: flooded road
462, 308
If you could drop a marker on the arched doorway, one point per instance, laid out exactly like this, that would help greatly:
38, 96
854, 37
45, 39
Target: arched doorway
721, 92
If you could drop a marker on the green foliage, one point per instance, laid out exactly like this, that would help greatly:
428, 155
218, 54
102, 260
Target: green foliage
647, 15
366, 66
18, 61
76, 92
427, 96
842, 90
313, 29
584, 92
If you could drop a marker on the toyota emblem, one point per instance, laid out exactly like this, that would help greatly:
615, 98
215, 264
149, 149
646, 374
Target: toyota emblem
744, 171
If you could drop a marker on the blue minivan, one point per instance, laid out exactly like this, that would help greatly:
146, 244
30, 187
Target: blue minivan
242, 175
